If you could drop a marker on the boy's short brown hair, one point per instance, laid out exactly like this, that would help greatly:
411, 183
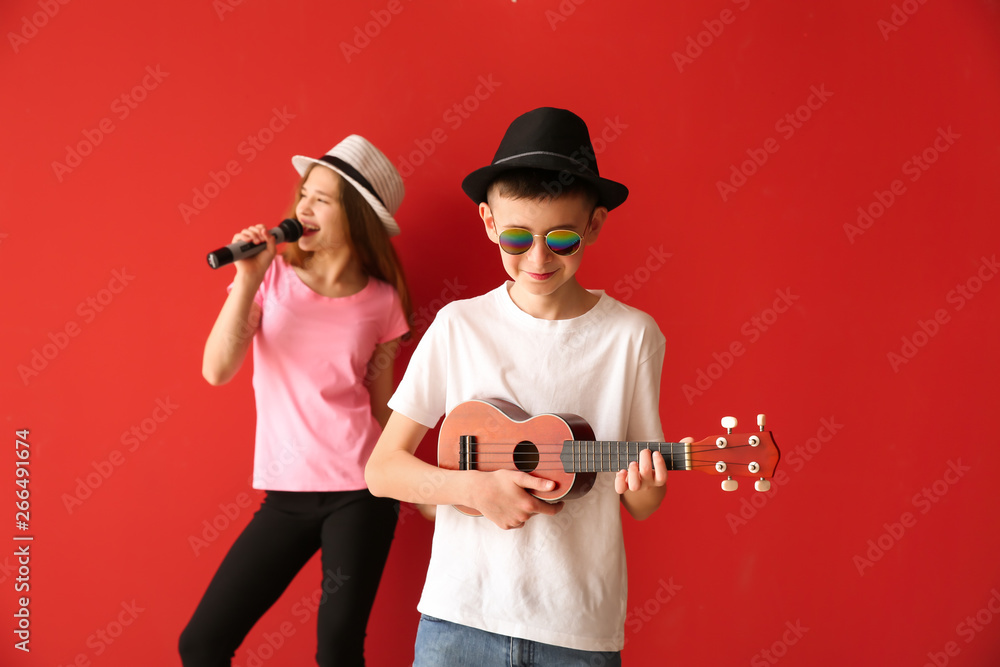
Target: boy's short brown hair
537, 184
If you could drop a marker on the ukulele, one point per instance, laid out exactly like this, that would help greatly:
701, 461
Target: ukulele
494, 434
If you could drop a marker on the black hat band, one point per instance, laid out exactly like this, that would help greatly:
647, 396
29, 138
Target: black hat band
353, 173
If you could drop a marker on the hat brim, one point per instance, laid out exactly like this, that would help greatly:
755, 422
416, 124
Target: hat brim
610, 193
302, 164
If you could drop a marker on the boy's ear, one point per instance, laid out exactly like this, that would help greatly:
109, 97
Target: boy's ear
487, 215
597, 220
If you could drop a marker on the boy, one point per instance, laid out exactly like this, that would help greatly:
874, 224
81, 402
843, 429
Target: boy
551, 592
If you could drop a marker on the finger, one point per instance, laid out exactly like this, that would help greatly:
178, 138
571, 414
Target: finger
257, 233
646, 463
548, 509
621, 482
688, 439
659, 469
634, 479
526, 481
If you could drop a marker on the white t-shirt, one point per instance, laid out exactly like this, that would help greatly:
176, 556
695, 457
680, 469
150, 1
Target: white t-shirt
560, 579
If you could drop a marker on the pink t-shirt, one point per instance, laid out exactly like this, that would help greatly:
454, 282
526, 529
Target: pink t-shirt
315, 429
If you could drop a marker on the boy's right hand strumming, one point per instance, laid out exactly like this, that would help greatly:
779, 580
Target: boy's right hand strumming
503, 496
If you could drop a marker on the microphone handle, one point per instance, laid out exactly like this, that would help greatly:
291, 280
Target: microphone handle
289, 230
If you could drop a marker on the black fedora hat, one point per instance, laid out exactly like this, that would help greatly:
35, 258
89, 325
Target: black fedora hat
553, 139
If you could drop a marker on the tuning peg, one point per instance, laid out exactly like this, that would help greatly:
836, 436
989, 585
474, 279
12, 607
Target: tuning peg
761, 420
729, 423
762, 485
729, 484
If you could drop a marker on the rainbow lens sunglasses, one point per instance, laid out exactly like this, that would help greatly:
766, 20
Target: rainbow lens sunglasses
562, 242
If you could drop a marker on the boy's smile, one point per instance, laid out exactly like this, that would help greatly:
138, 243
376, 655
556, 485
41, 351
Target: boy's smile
544, 282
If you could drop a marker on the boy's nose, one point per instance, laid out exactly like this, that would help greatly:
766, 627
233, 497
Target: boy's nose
539, 251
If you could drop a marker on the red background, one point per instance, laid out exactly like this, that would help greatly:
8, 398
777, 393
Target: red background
845, 549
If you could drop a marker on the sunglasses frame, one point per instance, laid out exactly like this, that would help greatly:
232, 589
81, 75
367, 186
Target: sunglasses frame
579, 243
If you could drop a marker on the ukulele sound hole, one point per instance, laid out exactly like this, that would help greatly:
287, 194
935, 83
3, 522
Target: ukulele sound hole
526, 456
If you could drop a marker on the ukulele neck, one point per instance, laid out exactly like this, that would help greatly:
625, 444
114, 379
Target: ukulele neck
613, 455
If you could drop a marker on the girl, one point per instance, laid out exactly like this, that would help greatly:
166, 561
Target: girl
326, 318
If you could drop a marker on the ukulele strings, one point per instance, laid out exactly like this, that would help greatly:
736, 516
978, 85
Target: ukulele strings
549, 459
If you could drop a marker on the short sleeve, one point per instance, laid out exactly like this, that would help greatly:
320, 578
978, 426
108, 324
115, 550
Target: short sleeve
421, 392
644, 417
395, 322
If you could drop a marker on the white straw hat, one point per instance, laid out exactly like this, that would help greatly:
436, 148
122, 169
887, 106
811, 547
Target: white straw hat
368, 170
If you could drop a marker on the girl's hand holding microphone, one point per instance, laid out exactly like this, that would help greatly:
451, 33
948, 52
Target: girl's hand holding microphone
253, 241
254, 266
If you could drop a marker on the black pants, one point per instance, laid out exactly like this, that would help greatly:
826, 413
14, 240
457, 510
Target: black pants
354, 531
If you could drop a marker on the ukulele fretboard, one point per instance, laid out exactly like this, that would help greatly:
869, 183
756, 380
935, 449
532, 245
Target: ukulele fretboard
613, 455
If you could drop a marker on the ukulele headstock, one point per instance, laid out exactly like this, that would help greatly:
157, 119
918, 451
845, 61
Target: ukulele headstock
753, 454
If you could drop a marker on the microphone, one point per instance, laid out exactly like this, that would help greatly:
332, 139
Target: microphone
289, 230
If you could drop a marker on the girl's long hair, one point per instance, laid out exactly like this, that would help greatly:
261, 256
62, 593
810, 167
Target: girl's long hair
369, 240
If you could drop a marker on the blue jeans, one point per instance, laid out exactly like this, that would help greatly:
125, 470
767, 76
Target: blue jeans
445, 644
